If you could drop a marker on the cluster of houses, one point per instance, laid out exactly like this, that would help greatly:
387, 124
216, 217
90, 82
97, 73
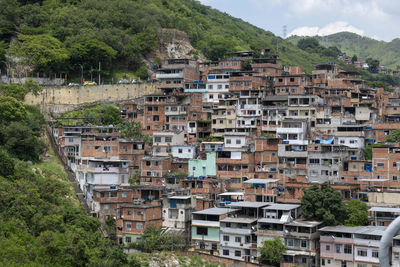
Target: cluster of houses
362, 63
234, 144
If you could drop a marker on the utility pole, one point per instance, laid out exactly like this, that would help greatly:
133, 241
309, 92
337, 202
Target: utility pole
99, 71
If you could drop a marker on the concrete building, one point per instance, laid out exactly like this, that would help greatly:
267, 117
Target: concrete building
204, 168
350, 246
206, 228
177, 214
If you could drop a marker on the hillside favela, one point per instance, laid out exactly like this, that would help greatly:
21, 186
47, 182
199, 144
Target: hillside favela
169, 133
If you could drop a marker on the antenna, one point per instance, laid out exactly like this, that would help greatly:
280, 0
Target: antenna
284, 31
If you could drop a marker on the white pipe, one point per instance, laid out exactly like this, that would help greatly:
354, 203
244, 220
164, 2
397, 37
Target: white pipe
386, 242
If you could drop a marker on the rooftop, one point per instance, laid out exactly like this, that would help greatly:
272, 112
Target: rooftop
239, 220
248, 204
363, 230
303, 223
215, 211
277, 206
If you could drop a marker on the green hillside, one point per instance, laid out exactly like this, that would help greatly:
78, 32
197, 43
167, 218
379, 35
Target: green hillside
388, 53
71, 35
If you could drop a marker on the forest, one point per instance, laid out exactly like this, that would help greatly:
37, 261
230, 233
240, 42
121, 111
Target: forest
73, 36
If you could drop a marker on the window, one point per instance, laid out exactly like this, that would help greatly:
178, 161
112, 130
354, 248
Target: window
123, 194
226, 238
180, 150
128, 225
303, 243
148, 163
323, 262
290, 243
202, 231
394, 178
128, 239
344, 264
225, 252
238, 253
338, 248
238, 141
228, 141
106, 207
361, 265
347, 249
139, 226
291, 79
362, 252
107, 149
238, 239
380, 164
156, 118
157, 139
168, 139
375, 254
304, 260
70, 139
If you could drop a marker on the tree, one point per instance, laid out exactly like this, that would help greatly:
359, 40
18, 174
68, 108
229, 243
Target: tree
6, 164
247, 65
354, 59
373, 65
20, 141
217, 46
132, 129
142, 73
155, 238
309, 44
42, 52
323, 203
91, 52
32, 86
272, 251
394, 136
357, 213
11, 110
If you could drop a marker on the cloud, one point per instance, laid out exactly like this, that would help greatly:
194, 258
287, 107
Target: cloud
338, 26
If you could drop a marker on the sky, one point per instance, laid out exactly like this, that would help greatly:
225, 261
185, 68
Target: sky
376, 19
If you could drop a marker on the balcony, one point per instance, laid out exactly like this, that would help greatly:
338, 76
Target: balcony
178, 75
236, 231
282, 130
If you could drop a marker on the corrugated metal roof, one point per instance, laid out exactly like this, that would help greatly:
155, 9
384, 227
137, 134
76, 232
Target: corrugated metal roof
366, 230
215, 211
248, 204
268, 220
277, 206
239, 220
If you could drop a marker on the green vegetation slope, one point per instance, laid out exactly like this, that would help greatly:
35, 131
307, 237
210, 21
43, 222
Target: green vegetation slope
41, 221
388, 53
74, 35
